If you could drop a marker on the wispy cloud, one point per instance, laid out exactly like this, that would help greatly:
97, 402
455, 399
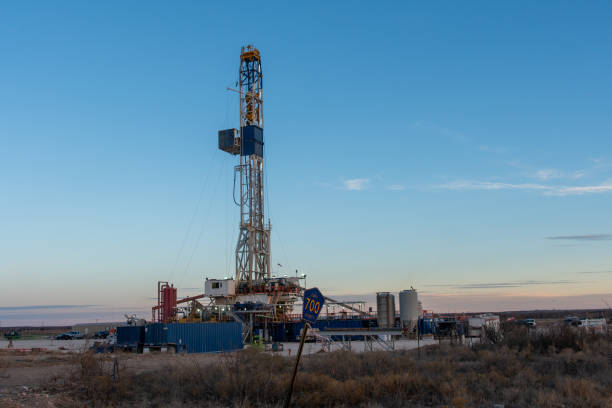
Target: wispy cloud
595, 272
587, 237
356, 184
601, 163
503, 285
482, 301
396, 187
579, 190
551, 174
444, 131
41, 307
459, 137
490, 185
544, 188
547, 174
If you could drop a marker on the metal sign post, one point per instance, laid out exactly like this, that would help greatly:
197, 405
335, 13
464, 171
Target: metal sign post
313, 303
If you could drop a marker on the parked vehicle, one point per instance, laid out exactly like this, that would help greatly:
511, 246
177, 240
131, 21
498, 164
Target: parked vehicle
529, 322
479, 325
71, 335
598, 325
12, 335
101, 334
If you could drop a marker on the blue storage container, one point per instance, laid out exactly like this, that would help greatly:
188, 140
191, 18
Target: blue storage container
426, 326
130, 335
205, 337
156, 334
278, 331
252, 140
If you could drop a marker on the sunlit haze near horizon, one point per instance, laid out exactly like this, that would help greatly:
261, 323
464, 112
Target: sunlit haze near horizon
463, 149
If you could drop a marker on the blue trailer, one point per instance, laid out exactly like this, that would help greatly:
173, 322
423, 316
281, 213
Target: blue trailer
194, 337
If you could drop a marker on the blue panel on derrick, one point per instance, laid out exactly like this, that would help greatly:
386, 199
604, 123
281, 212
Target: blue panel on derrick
252, 140
226, 139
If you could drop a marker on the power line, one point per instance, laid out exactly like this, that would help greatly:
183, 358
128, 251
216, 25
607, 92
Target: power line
193, 216
204, 221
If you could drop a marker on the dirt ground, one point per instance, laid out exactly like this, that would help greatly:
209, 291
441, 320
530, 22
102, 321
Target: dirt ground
25, 375
563, 368
49, 344
309, 348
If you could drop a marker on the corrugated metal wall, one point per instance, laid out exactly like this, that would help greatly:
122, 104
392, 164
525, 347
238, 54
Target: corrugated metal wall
130, 335
156, 334
195, 337
206, 337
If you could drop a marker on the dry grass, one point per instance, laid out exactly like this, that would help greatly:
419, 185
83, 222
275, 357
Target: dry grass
3, 369
557, 369
11, 358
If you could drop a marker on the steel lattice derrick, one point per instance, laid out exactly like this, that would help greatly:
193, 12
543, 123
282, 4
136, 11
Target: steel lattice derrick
253, 245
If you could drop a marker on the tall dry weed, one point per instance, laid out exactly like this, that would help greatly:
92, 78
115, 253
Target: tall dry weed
558, 368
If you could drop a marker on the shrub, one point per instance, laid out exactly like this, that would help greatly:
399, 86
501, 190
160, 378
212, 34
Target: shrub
551, 369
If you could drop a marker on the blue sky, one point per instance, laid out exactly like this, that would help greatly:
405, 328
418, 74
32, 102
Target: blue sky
461, 148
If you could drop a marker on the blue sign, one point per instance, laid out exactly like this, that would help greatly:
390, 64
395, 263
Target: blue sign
313, 303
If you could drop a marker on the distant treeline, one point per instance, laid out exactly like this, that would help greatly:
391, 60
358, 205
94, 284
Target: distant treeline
557, 314
34, 330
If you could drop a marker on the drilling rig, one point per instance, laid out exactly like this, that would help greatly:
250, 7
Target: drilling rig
253, 247
253, 292
253, 286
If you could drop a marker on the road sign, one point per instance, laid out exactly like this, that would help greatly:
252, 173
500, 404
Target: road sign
313, 303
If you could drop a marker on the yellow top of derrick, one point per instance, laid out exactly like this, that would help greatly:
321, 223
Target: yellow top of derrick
249, 53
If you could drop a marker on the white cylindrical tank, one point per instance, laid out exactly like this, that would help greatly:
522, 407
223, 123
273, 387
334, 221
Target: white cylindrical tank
409, 308
385, 310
